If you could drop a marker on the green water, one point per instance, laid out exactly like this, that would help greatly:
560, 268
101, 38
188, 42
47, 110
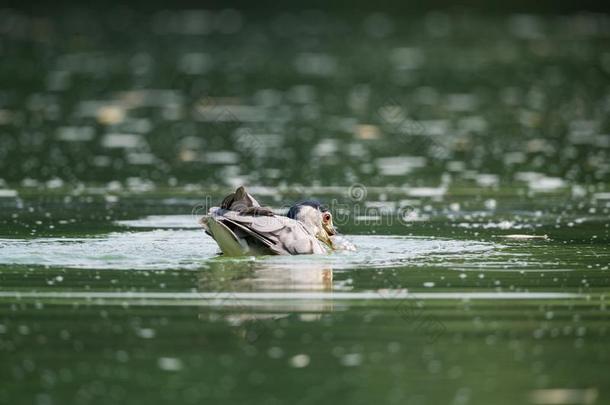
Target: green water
466, 156
166, 320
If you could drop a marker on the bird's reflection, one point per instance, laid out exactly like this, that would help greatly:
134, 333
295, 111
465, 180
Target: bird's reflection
254, 317
228, 275
291, 277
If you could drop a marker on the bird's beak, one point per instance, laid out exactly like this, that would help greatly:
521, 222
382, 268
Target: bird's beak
329, 228
328, 231
325, 238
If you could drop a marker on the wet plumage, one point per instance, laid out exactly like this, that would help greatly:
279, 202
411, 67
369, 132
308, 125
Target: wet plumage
241, 226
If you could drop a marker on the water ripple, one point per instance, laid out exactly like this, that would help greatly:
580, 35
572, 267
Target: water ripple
192, 249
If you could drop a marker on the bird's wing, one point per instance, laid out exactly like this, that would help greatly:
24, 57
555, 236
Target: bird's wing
245, 228
225, 237
290, 235
298, 241
282, 235
263, 224
263, 229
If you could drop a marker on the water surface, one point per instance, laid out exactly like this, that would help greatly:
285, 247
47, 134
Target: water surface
466, 156
449, 310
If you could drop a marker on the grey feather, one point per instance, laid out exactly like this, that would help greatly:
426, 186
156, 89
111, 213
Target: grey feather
274, 235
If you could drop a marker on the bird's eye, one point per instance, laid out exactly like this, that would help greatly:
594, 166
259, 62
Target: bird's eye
326, 217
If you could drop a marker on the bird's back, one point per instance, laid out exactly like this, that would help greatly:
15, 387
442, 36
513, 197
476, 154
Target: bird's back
238, 234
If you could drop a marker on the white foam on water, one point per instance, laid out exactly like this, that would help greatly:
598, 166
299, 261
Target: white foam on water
162, 221
192, 249
158, 249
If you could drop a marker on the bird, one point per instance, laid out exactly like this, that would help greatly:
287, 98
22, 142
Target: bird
241, 227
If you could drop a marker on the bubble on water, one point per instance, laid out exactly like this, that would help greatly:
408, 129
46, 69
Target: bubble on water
75, 134
8, 193
121, 356
300, 361
146, 333
141, 158
54, 183
170, 363
123, 141
110, 114
351, 359
111, 199
275, 352
456, 166
487, 180
400, 165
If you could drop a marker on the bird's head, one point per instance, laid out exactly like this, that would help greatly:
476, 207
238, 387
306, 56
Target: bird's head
316, 218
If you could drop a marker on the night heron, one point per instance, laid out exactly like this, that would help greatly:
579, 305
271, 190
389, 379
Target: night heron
240, 226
